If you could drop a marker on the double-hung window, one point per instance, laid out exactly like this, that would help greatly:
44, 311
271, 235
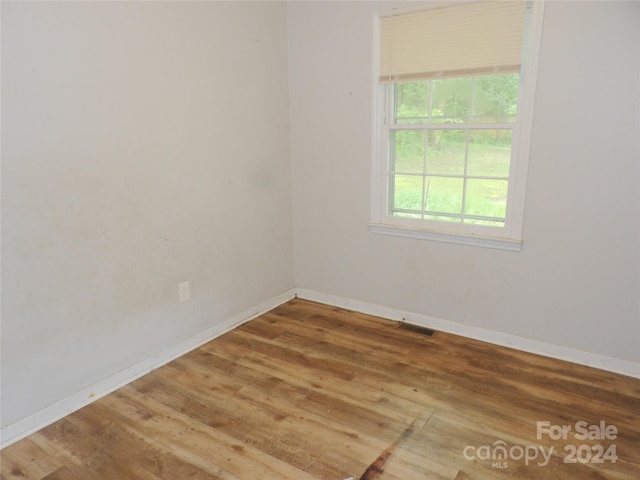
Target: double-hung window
454, 110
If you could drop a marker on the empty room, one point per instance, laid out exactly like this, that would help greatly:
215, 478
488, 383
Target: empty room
320, 240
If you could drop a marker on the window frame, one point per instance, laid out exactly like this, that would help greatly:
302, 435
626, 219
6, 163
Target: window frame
508, 237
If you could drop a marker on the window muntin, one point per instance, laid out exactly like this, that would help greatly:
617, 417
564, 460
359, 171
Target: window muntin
450, 148
423, 214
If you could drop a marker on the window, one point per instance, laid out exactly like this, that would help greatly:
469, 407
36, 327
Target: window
455, 91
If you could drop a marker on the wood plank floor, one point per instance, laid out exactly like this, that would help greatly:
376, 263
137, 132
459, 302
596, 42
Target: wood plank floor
312, 392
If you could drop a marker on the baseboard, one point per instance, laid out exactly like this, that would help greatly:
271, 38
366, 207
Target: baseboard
21, 429
580, 357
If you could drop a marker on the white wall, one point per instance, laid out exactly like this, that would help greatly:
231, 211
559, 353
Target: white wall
144, 144
575, 282
147, 144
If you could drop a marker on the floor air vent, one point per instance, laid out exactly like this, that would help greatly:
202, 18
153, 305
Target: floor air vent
417, 329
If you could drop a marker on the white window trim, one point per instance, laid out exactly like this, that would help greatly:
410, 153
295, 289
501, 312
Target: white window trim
506, 238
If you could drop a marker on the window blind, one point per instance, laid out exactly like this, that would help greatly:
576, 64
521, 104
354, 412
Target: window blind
475, 38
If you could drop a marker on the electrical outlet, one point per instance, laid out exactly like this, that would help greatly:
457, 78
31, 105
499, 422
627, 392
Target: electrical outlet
183, 291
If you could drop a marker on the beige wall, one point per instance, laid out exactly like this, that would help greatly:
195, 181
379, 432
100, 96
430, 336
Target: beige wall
144, 144
147, 144
575, 282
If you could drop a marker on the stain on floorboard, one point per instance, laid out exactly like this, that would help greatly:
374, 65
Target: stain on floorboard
377, 467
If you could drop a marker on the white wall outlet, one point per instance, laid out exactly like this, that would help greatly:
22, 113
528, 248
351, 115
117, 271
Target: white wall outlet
183, 291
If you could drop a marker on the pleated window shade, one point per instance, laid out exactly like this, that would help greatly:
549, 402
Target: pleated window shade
478, 38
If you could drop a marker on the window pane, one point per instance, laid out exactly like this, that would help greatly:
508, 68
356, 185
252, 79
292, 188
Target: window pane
407, 192
445, 152
444, 194
442, 218
451, 100
407, 215
487, 223
489, 152
496, 98
486, 198
409, 151
412, 100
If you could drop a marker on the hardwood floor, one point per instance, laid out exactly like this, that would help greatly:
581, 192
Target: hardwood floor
312, 392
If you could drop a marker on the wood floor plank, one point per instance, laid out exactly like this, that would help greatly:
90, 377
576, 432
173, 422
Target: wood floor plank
371, 417
314, 392
315, 380
27, 460
252, 416
210, 449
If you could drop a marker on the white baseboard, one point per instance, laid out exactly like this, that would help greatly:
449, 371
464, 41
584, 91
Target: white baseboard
25, 427
580, 357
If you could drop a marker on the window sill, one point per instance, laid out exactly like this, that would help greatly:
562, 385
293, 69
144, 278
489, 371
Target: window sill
456, 238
